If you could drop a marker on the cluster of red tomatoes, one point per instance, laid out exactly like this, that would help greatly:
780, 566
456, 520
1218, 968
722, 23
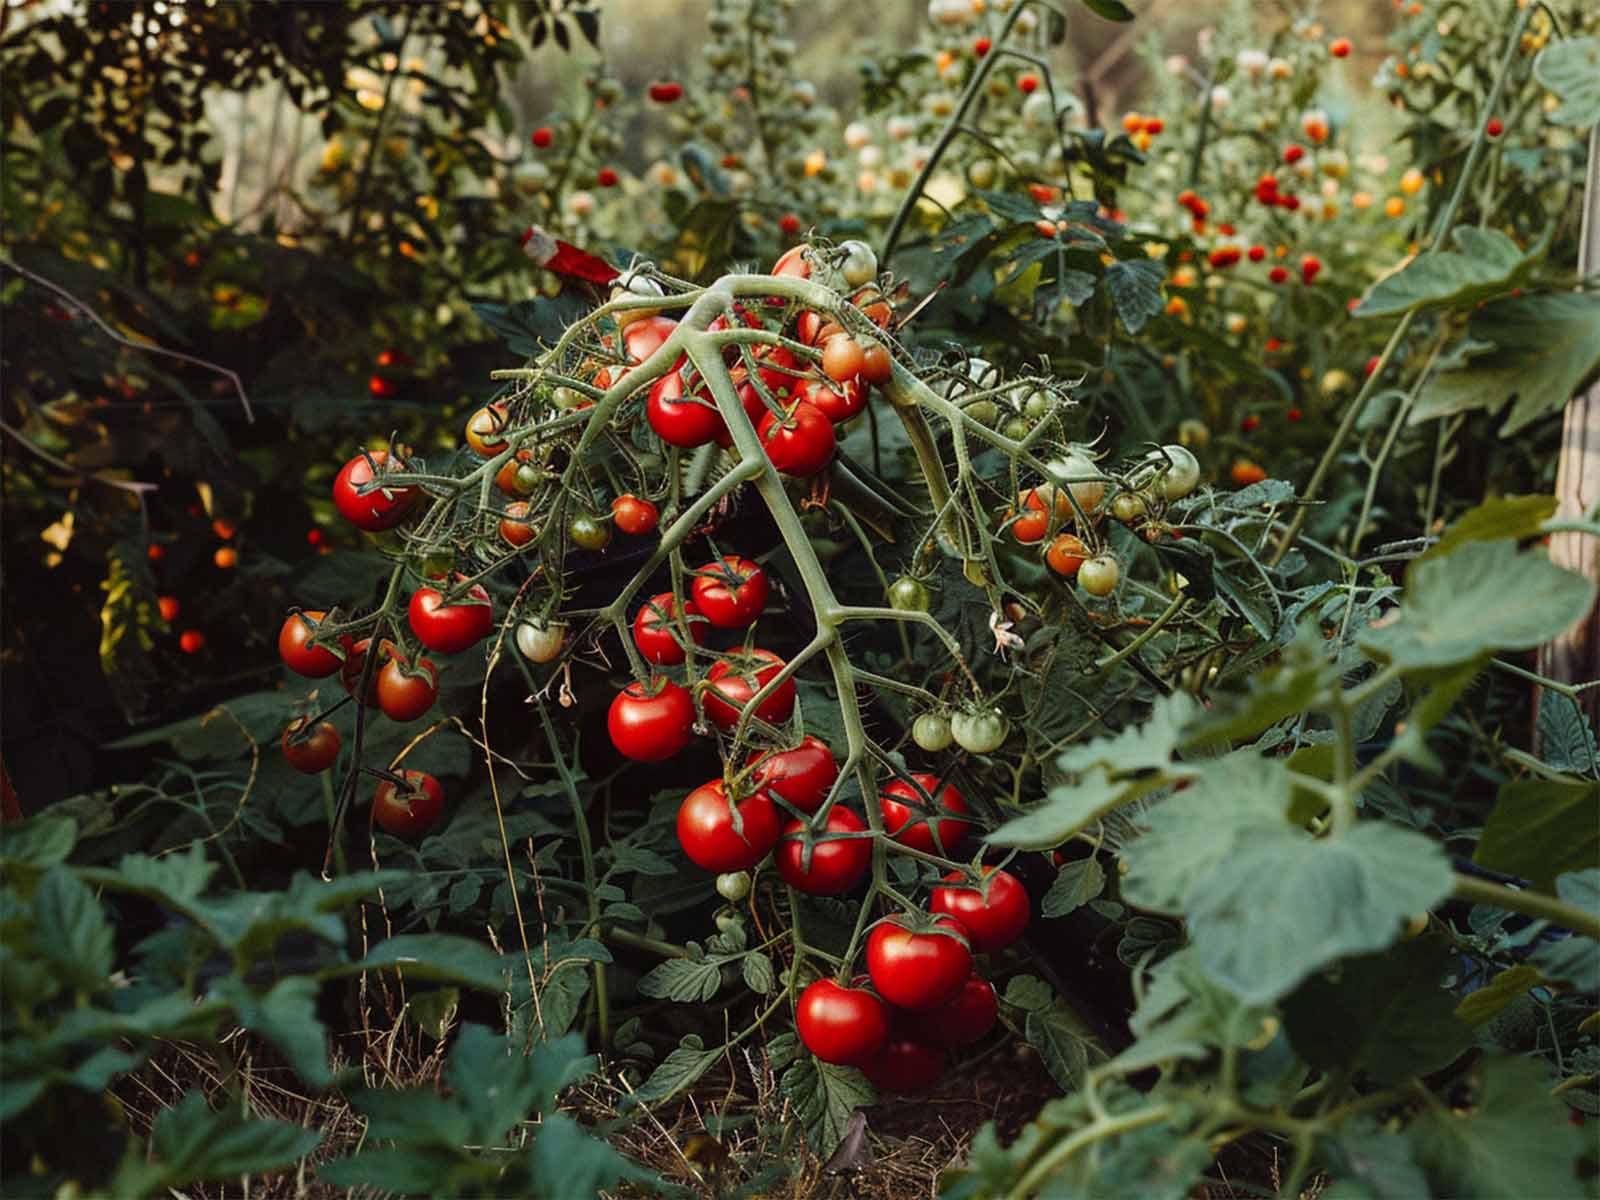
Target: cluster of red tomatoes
920, 997
792, 406
652, 720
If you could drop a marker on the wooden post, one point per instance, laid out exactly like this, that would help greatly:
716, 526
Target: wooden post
1574, 657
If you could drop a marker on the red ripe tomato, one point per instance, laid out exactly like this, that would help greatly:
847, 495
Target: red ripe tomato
681, 420
905, 814
800, 444
666, 92
877, 366
310, 750
410, 811
993, 923
633, 515
780, 372
191, 641
904, 1065
168, 606
841, 1025
962, 1019
731, 592
407, 690
377, 510
485, 429
450, 628
542, 137
296, 650
793, 262
707, 834
643, 337
917, 970
836, 865
1066, 554
842, 358
750, 399
789, 224
836, 401
355, 660
655, 629
515, 527
735, 681
605, 177
506, 478
802, 776
651, 723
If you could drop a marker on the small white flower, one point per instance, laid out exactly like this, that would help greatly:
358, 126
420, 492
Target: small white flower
1252, 62
1221, 97
857, 135
1004, 639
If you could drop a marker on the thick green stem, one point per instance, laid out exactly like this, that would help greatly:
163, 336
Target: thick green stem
1532, 904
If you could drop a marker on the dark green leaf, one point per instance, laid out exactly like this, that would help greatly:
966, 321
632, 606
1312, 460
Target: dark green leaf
191, 1142
1566, 740
1483, 596
1545, 346
1496, 519
1075, 885
440, 957
1490, 1000
1387, 1015
566, 1161
678, 1070
1485, 263
286, 1016
1541, 828
1111, 10
824, 1096
72, 931
687, 981
39, 842
1135, 289
1515, 1144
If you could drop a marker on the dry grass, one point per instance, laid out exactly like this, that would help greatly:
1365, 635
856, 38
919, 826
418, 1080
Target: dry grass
911, 1141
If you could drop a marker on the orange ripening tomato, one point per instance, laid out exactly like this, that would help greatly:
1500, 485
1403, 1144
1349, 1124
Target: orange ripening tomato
1245, 472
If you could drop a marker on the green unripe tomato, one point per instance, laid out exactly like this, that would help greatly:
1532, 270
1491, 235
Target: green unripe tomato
984, 412
858, 263
1129, 507
733, 886
589, 533
931, 731
1037, 406
541, 642
1016, 428
980, 730
908, 594
609, 90
1183, 475
525, 482
982, 172
1099, 575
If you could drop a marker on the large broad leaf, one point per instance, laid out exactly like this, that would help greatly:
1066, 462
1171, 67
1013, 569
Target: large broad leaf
1485, 263
1502, 517
1541, 828
1544, 348
1069, 808
438, 957
824, 1096
1138, 748
685, 980
286, 1016
39, 842
497, 1085
567, 1161
1280, 691
1515, 1144
1387, 1015
71, 930
1565, 736
1571, 69
1484, 596
1575, 960
1076, 884
1265, 903
191, 1142
1135, 290
1371, 1164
